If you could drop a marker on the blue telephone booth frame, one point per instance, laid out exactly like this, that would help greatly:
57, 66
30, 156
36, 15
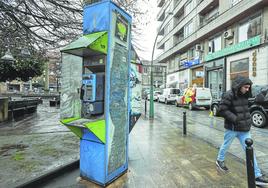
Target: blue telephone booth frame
104, 140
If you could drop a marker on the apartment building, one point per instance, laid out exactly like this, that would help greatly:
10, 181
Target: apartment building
209, 42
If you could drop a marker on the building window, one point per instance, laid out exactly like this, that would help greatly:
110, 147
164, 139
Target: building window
189, 7
214, 44
242, 32
157, 69
239, 67
249, 29
188, 29
145, 70
167, 29
171, 65
191, 53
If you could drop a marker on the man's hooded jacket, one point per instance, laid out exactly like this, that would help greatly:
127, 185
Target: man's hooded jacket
234, 106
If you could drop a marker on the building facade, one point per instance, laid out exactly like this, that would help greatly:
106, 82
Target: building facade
159, 76
209, 42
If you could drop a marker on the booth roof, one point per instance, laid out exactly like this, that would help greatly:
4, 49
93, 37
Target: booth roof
88, 44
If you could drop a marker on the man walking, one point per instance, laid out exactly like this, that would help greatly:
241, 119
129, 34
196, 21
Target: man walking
237, 122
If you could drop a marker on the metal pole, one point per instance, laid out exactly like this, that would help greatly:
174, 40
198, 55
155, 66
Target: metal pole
12, 113
184, 123
250, 163
151, 112
145, 109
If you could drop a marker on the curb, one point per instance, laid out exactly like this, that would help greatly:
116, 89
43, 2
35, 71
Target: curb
36, 182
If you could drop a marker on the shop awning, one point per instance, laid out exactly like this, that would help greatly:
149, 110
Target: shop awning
87, 45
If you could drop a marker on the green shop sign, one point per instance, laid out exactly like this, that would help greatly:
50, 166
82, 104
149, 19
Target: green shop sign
235, 48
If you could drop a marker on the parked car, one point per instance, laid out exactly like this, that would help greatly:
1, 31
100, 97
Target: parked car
155, 96
169, 95
258, 106
195, 97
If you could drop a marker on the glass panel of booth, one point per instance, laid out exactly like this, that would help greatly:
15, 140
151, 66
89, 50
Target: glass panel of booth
71, 81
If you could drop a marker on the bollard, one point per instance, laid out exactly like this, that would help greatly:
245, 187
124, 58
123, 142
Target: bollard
12, 112
184, 123
250, 163
145, 110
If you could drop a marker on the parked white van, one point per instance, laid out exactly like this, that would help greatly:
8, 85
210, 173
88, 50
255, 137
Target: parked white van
169, 95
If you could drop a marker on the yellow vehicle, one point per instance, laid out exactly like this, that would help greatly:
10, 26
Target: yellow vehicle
195, 97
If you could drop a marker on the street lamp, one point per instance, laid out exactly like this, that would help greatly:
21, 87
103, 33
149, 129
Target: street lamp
151, 112
8, 56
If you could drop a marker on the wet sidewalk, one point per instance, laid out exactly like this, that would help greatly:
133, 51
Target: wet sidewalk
34, 145
159, 155
211, 130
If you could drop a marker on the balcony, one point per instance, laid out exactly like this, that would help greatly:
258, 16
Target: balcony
161, 32
222, 21
179, 7
179, 16
206, 20
160, 47
181, 22
210, 6
179, 36
160, 3
161, 15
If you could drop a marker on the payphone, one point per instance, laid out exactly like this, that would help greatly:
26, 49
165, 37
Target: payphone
100, 117
92, 95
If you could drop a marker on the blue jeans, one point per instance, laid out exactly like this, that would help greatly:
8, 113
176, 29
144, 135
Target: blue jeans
229, 136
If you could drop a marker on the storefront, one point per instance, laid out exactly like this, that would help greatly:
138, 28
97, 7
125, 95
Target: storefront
172, 80
215, 77
183, 78
251, 64
198, 76
194, 73
238, 59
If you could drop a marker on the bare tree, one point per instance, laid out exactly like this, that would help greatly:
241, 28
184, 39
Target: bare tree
38, 23
52, 23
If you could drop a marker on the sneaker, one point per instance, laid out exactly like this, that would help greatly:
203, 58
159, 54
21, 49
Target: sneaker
262, 181
221, 166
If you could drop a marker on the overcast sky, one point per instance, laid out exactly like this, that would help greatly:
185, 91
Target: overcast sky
149, 34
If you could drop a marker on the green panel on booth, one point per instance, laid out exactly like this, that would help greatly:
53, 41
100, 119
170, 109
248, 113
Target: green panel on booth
98, 129
76, 124
88, 43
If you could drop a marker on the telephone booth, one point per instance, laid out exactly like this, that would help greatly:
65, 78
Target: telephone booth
95, 95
